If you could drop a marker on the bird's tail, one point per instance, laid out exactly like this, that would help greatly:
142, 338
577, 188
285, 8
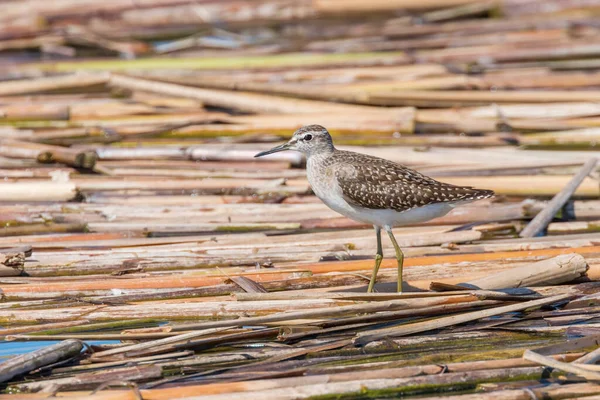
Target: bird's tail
478, 194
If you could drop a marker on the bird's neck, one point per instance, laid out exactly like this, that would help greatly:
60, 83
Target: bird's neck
321, 154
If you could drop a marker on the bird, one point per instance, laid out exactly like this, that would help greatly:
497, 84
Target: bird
373, 190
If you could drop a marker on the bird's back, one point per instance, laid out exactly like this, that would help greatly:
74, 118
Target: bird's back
375, 183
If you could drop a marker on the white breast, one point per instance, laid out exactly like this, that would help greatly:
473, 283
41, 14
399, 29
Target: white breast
326, 188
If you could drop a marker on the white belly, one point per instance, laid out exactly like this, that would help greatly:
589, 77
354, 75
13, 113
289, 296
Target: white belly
385, 217
327, 189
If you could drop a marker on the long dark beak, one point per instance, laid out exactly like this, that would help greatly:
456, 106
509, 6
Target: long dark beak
275, 149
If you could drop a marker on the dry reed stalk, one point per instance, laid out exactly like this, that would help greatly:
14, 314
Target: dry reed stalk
216, 185
459, 11
241, 101
454, 98
509, 185
550, 392
574, 227
306, 75
338, 123
193, 173
93, 380
88, 336
198, 165
44, 153
517, 185
541, 220
140, 153
332, 311
307, 388
155, 343
571, 368
29, 112
525, 111
96, 110
157, 359
60, 238
81, 36
577, 137
276, 310
347, 266
40, 327
563, 268
341, 6
31, 229
293, 279
110, 240
363, 338
235, 155
345, 296
475, 157
385, 373
590, 358
37, 191
37, 173
562, 80
157, 227
52, 83
148, 282
207, 343
31, 43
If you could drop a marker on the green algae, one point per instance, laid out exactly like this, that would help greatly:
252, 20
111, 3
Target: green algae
219, 63
421, 389
446, 351
102, 326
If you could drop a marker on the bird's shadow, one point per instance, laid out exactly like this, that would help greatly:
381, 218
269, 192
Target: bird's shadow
385, 287
391, 287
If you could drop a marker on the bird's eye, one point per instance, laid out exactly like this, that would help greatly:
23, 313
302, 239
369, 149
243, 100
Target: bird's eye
308, 137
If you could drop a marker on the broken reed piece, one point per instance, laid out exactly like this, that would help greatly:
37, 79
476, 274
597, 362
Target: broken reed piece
37, 191
541, 221
559, 269
590, 358
27, 250
12, 259
12, 262
247, 284
24, 363
46, 154
10, 271
551, 362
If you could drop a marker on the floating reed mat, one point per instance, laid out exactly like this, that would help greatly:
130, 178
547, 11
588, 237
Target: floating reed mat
145, 252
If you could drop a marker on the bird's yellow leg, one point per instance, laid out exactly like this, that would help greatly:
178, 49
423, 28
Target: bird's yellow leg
378, 258
399, 257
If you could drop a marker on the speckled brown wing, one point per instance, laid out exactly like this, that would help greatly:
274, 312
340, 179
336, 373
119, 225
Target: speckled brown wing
375, 183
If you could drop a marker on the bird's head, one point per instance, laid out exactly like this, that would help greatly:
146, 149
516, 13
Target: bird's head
310, 140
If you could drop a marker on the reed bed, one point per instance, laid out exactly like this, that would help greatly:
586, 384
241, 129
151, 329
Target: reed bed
162, 261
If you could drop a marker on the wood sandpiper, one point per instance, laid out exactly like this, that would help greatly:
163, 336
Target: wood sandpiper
373, 190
